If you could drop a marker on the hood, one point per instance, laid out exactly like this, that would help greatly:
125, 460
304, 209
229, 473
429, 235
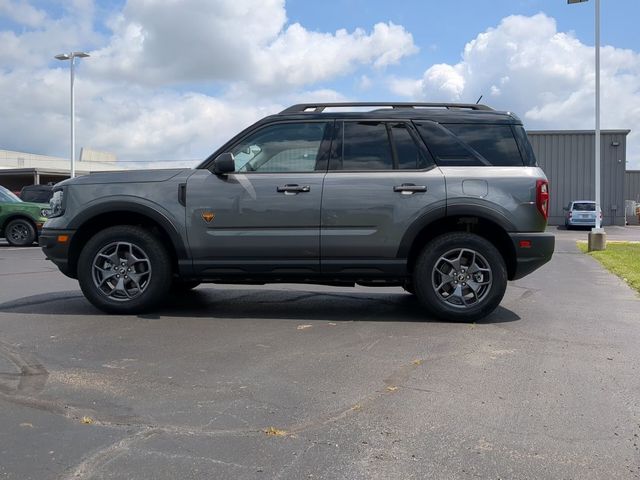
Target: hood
124, 176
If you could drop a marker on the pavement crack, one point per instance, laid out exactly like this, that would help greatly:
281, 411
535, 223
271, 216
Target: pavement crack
99, 458
31, 376
399, 376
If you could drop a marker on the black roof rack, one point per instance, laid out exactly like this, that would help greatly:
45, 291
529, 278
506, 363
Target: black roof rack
319, 107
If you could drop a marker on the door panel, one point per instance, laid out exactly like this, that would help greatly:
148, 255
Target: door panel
365, 216
265, 217
366, 211
256, 228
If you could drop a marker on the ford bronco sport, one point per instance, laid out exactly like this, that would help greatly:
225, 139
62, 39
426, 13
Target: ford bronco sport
445, 200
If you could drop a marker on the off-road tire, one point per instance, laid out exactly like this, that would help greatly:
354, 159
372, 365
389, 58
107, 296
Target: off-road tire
20, 232
145, 244
426, 278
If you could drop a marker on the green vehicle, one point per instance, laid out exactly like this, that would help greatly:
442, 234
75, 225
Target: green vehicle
20, 222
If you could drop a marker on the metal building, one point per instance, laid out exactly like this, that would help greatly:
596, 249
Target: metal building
632, 196
568, 158
632, 185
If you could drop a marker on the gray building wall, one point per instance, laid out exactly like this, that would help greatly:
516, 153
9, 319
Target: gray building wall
632, 185
568, 158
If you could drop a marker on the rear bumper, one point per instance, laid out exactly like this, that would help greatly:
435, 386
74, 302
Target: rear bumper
586, 222
56, 250
532, 251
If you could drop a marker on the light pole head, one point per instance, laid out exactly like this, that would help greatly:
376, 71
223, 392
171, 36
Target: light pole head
71, 56
576, 1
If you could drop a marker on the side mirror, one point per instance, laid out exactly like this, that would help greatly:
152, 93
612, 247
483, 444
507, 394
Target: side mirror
223, 164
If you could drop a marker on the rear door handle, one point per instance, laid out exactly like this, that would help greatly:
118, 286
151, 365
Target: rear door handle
293, 189
409, 188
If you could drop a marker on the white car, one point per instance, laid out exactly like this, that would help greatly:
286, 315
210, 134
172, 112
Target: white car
581, 213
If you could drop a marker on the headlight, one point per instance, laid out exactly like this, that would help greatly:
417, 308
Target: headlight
56, 204
45, 212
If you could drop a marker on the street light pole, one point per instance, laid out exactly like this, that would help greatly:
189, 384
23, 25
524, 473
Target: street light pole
597, 236
72, 57
597, 169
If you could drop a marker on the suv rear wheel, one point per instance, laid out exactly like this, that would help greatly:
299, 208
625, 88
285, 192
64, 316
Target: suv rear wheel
460, 277
124, 269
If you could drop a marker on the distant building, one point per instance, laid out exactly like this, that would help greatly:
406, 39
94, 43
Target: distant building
568, 159
18, 169
632, 185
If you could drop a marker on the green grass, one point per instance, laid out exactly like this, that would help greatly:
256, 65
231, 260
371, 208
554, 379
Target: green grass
621, 258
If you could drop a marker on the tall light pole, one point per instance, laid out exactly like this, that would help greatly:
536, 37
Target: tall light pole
72, 57
597, 237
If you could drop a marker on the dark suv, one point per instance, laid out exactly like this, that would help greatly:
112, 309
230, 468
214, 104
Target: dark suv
445, 200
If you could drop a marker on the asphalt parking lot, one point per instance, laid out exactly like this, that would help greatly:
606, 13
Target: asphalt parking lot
288, 381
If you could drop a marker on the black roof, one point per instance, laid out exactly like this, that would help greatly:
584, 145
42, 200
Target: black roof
438, 112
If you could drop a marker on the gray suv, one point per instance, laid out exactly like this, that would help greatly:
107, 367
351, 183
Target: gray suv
445, 200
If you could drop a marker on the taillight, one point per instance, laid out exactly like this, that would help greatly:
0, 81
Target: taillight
542, 198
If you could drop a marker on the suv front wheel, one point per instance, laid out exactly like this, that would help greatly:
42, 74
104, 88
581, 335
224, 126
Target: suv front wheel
124, 269
460, 276
20, 233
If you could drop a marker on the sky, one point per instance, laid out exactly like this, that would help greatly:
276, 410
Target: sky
169, 81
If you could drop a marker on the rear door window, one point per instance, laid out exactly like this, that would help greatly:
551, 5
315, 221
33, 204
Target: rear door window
365, 146
378, 146
408, 155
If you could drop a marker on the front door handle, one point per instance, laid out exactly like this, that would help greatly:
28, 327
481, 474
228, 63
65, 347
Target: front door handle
293, 189
409, 188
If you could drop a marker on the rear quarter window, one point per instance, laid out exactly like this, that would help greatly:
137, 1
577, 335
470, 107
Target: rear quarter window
472, 144
495, 143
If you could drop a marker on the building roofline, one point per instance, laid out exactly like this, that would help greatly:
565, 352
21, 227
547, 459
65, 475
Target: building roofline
577, 132
45, 171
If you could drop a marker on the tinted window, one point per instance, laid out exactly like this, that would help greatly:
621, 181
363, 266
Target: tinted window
8, 197
365, 146
528, 157
445, 147
284, 147
495, 143
36, 196
585, 207
407, 152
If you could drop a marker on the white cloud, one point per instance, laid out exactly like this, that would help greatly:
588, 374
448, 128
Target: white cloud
525, 65
241, 40
137, 95
22, 13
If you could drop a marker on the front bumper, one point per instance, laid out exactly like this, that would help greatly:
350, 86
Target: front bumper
57, 250
532, 251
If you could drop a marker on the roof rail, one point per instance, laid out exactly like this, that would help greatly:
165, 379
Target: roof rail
319, 107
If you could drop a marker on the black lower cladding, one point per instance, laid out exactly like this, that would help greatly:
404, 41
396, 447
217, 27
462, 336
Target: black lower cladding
57, 252
533, 250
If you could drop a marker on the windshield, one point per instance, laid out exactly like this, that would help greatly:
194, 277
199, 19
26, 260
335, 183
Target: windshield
585, 207
8, 197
